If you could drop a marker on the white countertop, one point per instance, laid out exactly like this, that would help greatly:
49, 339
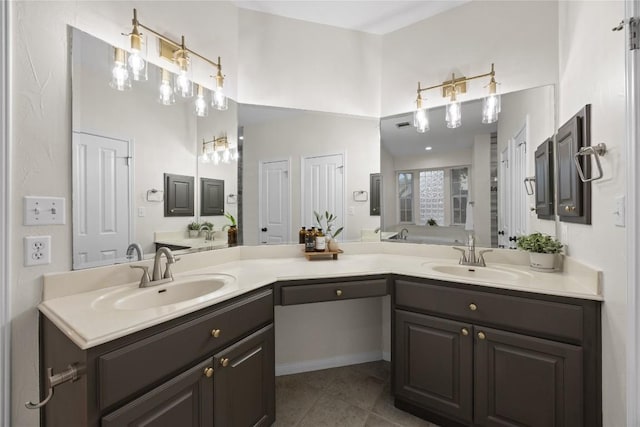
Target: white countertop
88, 325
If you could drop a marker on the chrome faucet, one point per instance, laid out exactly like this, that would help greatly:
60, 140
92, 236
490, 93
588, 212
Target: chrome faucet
156, 265
469, 257
138, 250
208, 235
403, 234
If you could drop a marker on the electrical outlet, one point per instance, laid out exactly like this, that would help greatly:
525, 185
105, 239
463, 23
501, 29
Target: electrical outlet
37, 250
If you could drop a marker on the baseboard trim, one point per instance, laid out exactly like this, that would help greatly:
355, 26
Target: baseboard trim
386, 356
331, 362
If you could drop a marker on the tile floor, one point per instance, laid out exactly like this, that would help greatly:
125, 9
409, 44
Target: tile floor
351, 396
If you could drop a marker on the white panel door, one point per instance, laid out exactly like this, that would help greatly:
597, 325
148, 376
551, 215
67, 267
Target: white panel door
101, 200
274, 224
323, 189
504, 198
519, 160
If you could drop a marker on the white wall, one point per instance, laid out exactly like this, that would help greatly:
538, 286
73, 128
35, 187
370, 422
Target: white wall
592, 59
537, 108
520, 37
296, 64
310, 133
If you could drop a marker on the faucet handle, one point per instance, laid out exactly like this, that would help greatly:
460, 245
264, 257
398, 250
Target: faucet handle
481, 256
463, 257
145, 279
168, 274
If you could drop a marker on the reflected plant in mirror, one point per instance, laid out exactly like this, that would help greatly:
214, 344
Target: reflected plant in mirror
467, 180
123, 143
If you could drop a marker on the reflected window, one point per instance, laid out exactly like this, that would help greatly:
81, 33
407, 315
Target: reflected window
459, 195
405, 194
432, 196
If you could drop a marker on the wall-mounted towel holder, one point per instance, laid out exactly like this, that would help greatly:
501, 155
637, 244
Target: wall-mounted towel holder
360, 196
72, 373
528, 185
155, 195
597, 151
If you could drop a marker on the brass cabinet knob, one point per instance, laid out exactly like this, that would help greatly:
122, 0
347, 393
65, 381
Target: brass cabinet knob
208, 372
473, 307
339, 292
215, 333
481, 335
569, 208
465, 331
224, 362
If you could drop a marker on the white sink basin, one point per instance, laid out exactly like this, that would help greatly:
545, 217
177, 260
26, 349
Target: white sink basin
501, 274
190, 288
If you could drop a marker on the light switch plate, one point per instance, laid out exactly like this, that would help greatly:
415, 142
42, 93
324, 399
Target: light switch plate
619, 213
44, 210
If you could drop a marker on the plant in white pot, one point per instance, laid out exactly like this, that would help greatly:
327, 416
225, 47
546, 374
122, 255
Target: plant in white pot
327, 222
543, 251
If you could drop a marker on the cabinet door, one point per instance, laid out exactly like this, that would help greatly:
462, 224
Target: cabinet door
186, 400
178, 195
244, 386
433, 363
544, 180
375, 181
526, 381
211, 196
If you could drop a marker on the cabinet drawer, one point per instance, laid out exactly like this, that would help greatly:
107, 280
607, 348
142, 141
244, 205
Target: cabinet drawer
552, 319
125, 371
335, 291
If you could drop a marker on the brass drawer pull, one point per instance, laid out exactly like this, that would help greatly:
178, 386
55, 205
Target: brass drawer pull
224, 362
208, 372
569, 208
339, 292
216, 333
473, 307
481, 335
465, 331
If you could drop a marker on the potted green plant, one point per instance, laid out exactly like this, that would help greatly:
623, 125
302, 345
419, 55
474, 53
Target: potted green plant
232, 232
543, 251
432, 222
194, 229
327, 222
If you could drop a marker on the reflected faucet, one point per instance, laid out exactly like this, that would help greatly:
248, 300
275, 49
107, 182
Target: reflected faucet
208, 235
403, 234
138, 250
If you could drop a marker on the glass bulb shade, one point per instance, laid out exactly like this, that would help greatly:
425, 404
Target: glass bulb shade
165, 94
236, 154
219, 100
490, 108
204, 158
183, 84
137, 66
421, 120
226, 156
453, 115
120, 77
216, 158
202, 108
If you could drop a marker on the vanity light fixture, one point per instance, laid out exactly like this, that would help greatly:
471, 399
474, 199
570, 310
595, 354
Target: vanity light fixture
120, 78
201, 105
451, 89
180, 55
217, 150
165, 94
428, 148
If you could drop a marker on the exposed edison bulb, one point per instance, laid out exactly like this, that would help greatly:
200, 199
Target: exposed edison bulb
216, 158
137, 65
166, 96
236, 155
226, 156
184, 86
205, 158
202, 108
421, 120
120, 78
454, 114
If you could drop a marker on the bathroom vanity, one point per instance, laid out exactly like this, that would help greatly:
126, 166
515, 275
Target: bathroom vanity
471, 350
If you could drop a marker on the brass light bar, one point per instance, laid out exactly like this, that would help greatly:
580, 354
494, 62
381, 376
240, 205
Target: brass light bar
459, 85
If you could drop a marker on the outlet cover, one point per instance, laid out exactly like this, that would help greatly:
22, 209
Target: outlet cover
44, 210
37, 250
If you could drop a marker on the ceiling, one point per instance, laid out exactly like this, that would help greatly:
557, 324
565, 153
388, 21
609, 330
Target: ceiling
406, 141
376, 17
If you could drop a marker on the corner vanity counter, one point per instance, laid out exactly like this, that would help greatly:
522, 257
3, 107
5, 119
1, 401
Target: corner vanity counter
495, 345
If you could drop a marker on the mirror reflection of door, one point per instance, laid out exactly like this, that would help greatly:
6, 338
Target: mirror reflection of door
323, 189
513, 205
101, 199
274, 204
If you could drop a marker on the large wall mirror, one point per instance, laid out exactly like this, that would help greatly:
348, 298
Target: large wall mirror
123, 144
441, 185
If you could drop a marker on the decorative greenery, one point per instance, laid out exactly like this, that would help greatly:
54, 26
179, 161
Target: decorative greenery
431, 222
539, 243
327, 223
194, 226
231, 219
207, 224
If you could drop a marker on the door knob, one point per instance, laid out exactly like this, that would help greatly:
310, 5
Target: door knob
215, 333
481, 335
569, 208
208, 372
473, 307
465, 331
339, 292
224, 362
264, 229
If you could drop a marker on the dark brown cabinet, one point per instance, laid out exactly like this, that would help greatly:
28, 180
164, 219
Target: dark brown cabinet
574, 196
434, 363
544, 180
464, 355
178, 195
375, 183
211, 196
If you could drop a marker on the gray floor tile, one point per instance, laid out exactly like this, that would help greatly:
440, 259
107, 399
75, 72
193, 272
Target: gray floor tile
380, 369
356, 387
377, 421
331, 412
385, 408
293, 401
